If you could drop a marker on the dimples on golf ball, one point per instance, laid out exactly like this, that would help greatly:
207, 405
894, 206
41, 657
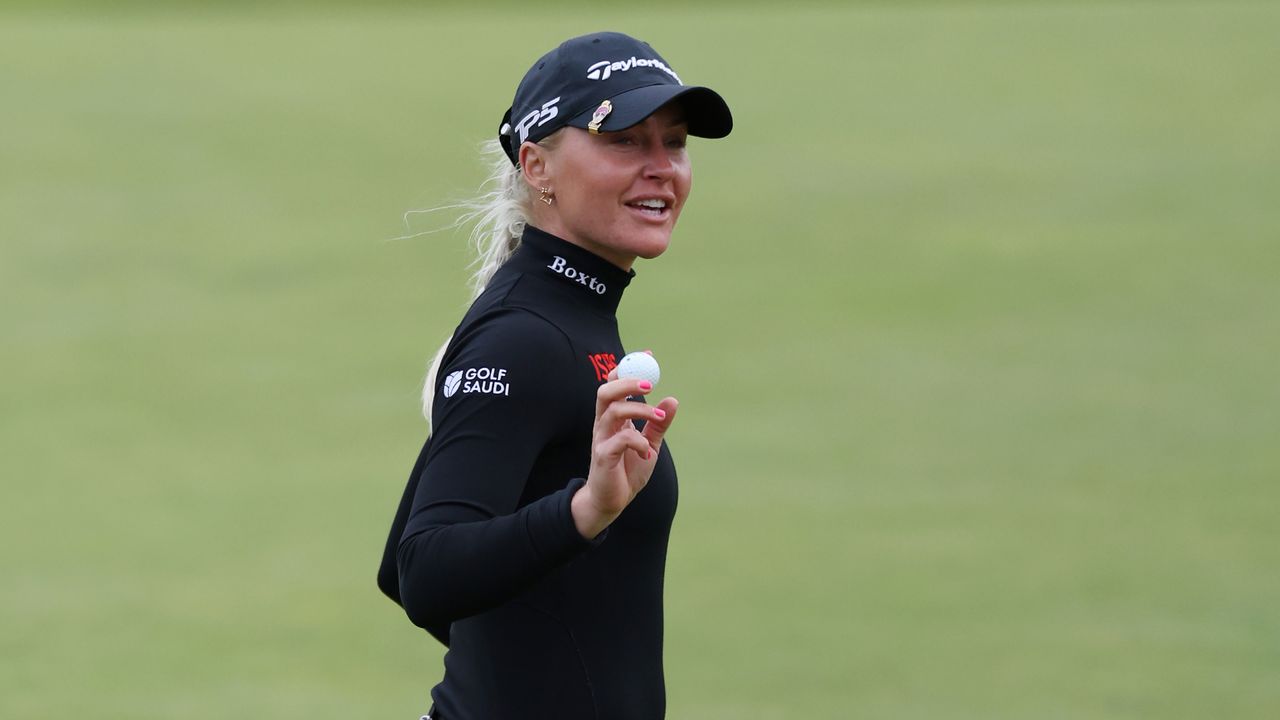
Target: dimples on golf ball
639, 365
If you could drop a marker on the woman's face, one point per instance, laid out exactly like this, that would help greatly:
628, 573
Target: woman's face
618, 194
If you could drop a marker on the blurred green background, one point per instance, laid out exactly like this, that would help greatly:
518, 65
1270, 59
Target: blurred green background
974, 319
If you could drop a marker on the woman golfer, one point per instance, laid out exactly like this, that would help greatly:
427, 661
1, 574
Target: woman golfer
531, 539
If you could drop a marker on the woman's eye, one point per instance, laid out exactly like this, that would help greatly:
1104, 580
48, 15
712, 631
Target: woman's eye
677, 143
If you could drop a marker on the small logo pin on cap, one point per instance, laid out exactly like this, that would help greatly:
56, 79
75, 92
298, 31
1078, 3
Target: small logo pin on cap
598, 117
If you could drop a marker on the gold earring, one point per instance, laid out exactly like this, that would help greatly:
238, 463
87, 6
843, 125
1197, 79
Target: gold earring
545, 195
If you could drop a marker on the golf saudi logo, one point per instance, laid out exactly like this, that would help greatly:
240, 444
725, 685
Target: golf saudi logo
485, 381
452, 382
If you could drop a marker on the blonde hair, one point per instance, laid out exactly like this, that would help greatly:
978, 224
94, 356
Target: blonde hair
497, 216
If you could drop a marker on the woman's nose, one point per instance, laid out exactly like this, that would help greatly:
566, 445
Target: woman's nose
658, 160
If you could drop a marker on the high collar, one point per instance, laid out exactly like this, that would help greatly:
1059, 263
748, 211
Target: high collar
596, 281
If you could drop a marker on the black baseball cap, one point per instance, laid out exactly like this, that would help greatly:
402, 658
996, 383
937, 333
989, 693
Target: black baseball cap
604, 82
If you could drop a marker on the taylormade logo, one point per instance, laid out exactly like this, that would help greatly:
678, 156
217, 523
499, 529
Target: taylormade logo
561, 266
603, 69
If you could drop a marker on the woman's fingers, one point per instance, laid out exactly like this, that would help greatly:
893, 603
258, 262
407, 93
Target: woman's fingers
616, 422
615, 446
655, 430
617, 416
617, 390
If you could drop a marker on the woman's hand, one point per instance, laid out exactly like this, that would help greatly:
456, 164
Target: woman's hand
622, 457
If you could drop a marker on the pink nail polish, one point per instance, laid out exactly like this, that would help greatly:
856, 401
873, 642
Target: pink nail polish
659, 413
645, 385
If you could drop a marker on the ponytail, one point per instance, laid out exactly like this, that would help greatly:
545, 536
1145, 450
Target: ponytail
497, 216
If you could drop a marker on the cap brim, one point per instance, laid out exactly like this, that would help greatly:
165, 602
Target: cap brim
706, 112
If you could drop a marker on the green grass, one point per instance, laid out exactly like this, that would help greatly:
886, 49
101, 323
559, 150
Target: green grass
973, 320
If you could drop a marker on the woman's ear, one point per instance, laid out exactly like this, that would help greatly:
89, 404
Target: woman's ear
534, 166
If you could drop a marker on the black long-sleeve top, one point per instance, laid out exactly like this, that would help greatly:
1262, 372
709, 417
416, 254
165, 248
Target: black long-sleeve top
483, 551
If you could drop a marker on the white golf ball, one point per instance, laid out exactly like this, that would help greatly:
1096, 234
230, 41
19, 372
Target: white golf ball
639, 365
